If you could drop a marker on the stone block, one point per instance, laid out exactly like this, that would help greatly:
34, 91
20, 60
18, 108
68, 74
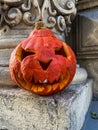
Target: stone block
22, 110
86, 43
91, 66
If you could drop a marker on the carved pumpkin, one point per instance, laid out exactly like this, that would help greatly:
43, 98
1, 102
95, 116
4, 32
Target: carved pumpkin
42, 63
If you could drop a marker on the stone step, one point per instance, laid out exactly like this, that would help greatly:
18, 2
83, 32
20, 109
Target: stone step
22, 110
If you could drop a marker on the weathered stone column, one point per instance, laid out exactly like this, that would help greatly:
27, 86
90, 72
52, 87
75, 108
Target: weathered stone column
86, 39
20, 109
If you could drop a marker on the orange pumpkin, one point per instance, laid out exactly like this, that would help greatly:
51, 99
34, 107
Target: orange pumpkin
42, 63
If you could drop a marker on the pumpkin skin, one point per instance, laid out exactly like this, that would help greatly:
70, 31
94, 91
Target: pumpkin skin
42, 63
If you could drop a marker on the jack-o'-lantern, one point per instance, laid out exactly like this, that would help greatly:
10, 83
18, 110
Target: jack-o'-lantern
42, 63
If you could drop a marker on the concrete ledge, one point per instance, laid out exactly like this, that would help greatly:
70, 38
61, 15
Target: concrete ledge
22, 110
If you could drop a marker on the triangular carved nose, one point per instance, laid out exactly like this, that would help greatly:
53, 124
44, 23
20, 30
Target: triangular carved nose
45, 65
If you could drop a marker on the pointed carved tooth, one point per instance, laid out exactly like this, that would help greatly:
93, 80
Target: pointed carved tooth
45, 81
39, 81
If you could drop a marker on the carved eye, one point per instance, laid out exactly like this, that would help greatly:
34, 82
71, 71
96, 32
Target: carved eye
60, 52
26, 53
21, 53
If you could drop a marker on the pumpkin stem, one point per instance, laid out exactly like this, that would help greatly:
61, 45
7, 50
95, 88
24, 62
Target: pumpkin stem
40, 25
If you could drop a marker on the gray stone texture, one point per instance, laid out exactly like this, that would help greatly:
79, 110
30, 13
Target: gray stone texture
7, 45
86, 43
91, 66
22, 110
86, 4
5, 78
80, 76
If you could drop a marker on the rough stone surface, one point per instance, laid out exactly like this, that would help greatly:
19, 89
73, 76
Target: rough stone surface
5, 78
86, 43
22, 110
92, 69
4, 56
80, 76
87, 34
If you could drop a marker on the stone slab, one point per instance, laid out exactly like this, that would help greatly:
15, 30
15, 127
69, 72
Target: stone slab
22, 110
